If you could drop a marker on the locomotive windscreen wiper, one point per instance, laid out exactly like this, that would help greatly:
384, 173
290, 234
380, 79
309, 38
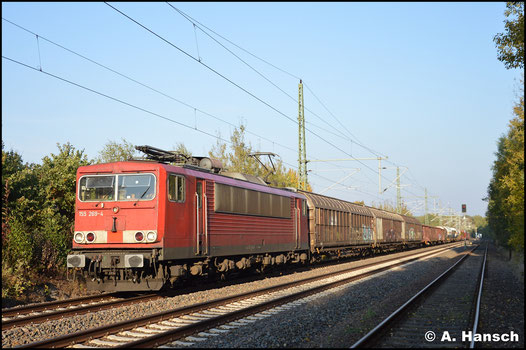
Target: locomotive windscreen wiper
145, 192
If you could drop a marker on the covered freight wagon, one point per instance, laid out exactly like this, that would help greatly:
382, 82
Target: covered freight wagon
334, 223
388, 226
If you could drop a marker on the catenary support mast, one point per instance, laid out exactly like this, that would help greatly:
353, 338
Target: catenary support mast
302, 152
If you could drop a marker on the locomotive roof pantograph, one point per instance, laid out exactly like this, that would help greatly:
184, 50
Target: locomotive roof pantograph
177, 158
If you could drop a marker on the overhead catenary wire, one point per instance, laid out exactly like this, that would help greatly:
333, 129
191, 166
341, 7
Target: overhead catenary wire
199, 24
156, 91
117, 100
255, 70
239, 47
195, 109
235, 84
144, 85
359, 143
194, 21
114, 99
136, 107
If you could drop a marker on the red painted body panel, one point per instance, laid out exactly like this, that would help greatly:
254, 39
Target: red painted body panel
131, 215
176, 223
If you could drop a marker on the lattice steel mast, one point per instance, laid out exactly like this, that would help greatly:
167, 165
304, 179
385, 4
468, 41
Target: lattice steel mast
302, 152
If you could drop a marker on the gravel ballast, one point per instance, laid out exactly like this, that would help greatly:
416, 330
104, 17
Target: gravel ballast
338, 319
329, 321
502, 306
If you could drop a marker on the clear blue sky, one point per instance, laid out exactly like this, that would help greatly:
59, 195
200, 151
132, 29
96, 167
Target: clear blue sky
418, 82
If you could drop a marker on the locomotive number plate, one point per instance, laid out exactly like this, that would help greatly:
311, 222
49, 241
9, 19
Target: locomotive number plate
91, 213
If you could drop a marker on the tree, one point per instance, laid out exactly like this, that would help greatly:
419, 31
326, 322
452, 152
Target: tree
57, 181
116, 152
181, 148
479, 221
38, 211
239, 160
19, 209
513, 180
510, 44
506, 189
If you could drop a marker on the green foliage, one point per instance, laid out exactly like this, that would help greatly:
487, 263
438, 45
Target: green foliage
38, 203
479, 221
116, 152
511, 43
506, 189
16, 279
239, 160
181, 148
57, 176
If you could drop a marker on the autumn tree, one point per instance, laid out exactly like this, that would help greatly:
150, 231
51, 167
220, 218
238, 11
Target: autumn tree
116, 152
510, 44
479, 221
181, 148
236, 158
506, 189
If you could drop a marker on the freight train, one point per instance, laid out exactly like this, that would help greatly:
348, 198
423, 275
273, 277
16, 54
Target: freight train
144, 224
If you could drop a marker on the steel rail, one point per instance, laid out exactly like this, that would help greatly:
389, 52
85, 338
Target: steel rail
26, 309
81, 336
387, 321
180, 332
479, 296
46, 316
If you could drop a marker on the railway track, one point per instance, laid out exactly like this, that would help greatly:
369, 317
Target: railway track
20, 316
439, 313
217, 316
38, 313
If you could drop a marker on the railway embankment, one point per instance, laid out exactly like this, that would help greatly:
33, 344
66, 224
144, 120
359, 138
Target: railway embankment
332, 319
502, 307
31, 333
340, 318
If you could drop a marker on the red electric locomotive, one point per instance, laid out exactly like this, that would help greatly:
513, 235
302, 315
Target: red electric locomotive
142, 224
145, 223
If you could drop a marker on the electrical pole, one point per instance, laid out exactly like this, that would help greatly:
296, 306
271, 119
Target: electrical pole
398, 193
425, 207
302, 152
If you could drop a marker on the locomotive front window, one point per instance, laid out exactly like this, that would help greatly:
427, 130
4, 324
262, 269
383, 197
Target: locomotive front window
136, 187
132, 187
97, 188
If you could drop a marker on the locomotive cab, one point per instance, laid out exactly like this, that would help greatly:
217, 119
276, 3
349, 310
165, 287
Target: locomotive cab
116, 235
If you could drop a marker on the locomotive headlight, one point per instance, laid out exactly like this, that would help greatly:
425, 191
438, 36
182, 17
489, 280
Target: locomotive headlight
78, 237
115, 210
151, 236
90, 237
139, 236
